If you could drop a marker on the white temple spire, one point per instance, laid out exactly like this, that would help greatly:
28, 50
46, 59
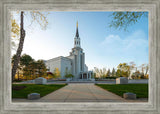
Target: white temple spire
77, 38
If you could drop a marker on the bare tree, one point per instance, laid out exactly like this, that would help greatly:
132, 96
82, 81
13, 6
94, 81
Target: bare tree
122, 20
20, 47
37, 17
132, 66
100, 73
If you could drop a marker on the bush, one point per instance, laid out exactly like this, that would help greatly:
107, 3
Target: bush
61, 79
111, 77
69, 76
18, 80
99, 79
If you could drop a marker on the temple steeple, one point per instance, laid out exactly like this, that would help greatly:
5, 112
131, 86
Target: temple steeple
77, 34
77, 38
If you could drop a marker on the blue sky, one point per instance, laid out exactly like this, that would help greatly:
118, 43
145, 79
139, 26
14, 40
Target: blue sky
103, 46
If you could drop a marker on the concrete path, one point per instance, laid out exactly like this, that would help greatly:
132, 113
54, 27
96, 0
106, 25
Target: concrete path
81, 93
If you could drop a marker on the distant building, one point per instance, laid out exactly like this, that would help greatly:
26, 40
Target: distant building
74, 63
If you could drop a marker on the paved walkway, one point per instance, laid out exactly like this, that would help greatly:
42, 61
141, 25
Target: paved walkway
81, 93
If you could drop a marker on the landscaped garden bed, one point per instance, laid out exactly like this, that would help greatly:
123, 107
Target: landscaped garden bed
141, 90
22, 90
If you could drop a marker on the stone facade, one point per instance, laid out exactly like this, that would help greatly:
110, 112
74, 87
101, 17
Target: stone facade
129, 95
74, 63
40, 80
62, 63
33, 96
122, 80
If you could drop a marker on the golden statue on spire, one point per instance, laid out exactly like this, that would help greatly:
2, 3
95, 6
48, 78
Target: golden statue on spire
77, 34
77, 24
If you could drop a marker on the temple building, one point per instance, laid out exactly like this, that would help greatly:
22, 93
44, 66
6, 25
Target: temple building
74, 63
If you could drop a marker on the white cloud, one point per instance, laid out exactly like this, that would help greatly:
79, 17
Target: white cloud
114, 50
134, 42
130, 48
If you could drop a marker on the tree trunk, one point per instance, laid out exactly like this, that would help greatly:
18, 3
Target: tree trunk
20, 47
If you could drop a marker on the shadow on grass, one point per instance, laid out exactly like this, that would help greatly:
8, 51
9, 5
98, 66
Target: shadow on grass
141, 90
34, 88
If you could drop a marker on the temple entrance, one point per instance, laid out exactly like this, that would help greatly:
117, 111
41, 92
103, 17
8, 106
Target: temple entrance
86, 75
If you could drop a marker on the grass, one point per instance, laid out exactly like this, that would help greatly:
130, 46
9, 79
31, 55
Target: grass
33, 88
141, 90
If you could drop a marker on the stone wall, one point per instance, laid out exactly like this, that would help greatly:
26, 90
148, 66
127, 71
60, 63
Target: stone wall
65, 63
142, 81
53, 63
61, 63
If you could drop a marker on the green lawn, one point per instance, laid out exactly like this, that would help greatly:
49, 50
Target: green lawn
141, 90
33, 88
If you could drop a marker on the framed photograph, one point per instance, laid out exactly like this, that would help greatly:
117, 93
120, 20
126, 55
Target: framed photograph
79, 56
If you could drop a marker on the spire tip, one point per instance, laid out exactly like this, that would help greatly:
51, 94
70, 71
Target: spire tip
77, 24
